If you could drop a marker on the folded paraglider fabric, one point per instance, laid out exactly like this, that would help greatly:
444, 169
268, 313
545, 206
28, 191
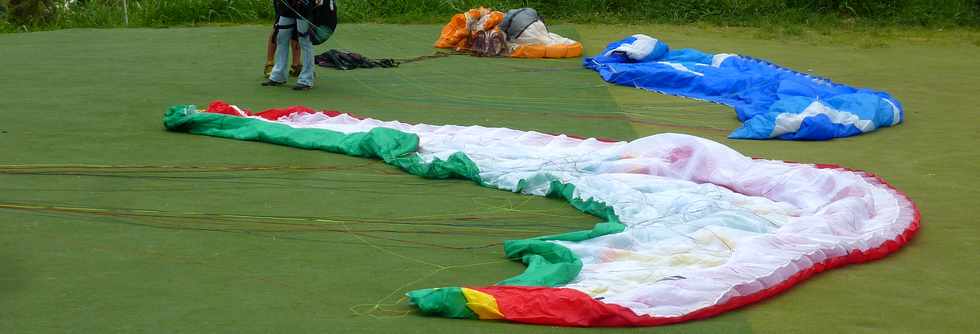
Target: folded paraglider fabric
689, 228
771, 101
517, 21
523, 33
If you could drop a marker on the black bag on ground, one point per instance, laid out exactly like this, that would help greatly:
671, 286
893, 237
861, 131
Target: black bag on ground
343, 60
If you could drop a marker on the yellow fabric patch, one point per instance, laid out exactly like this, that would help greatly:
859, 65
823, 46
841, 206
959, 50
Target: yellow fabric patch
484, 305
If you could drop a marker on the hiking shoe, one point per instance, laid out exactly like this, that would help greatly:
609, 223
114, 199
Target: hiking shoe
270, 83
302, 87
267, 70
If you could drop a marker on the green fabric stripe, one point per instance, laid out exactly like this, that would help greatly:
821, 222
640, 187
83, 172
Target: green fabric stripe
394, 147
446, 302
548, 264
551, 264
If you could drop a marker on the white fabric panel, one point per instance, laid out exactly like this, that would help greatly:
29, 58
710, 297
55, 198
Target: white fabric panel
638, 49
537, 33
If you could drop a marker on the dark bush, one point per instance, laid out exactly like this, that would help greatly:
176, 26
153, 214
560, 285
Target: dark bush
32, 12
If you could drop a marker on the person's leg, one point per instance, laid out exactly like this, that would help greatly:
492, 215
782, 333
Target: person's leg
297, 66
270, 51
282, 49
295, 44
306, 76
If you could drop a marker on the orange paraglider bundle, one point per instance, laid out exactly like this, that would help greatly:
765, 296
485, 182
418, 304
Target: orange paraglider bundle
520, 33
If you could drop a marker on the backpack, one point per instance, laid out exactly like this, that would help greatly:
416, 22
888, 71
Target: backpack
324, 22
517, 21
322, 19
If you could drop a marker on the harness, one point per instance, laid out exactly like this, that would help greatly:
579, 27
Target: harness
296, 32
322, 19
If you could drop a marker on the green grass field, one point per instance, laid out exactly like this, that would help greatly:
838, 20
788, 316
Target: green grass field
108, 223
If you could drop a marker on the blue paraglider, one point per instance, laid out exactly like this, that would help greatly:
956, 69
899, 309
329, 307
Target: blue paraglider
771, 101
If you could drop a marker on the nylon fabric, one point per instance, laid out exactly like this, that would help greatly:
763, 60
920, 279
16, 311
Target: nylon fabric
484, 305
444, 302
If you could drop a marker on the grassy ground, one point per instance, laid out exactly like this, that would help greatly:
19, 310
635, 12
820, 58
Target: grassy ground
110, 224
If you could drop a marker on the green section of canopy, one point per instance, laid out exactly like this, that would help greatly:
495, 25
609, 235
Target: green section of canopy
445, 302
551, 264
394, 147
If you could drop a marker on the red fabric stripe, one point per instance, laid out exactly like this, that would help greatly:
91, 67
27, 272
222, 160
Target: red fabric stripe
274, 114
220, 107
568, 307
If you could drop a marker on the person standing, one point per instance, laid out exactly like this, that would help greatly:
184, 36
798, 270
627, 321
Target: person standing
270, 53
293, 15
